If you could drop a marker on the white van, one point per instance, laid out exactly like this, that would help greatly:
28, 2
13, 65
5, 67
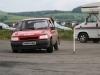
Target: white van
5, 26
89, 30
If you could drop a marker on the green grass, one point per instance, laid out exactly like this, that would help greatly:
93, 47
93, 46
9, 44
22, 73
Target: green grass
63, 34
5, 34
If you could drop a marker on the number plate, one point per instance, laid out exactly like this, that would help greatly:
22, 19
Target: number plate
29, 43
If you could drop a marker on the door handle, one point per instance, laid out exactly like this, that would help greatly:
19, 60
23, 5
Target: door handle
96, 24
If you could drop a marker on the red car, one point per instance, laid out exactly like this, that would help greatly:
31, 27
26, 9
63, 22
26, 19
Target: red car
35, 33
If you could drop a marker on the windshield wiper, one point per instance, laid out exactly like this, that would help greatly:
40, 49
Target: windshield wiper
30, 28
42, 28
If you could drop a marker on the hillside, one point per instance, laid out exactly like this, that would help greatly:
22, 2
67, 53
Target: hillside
62, 16
2, 12
77, 10
65, 16
38, 13
6, 18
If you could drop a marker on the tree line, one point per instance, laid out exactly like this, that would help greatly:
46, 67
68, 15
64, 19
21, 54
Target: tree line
67, 18
62, 18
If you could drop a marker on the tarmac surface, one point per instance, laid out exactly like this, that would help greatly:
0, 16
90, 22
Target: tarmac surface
85, 61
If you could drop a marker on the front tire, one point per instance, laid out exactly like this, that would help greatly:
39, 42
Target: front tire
83, 38
50, 48
14, 50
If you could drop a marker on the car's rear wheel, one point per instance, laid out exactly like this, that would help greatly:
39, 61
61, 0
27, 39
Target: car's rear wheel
56, 45
50, 48
95, 40
14, 50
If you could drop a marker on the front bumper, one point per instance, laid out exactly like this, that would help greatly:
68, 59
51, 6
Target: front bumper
43, 44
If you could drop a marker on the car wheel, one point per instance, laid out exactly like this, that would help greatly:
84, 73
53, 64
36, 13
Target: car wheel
83, 38
15, 50
95, 40
56, 45
50, 48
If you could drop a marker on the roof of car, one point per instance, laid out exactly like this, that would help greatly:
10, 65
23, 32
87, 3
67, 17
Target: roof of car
35, 19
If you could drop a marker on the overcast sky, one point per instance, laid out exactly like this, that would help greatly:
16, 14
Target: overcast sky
38, 5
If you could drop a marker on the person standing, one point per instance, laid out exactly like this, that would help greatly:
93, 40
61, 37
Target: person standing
15, 25
52, 18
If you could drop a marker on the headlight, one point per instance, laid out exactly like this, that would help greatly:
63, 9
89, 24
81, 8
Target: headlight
43, 36
14, 39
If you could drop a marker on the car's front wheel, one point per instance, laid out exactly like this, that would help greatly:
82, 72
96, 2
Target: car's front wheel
83, 37
50, 48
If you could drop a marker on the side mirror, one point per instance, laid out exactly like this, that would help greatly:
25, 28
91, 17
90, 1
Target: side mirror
86, 19
86, 23
52, 28
14, 30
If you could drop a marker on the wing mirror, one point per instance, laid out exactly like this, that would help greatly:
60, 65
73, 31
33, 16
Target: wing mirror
52, 28
96, 24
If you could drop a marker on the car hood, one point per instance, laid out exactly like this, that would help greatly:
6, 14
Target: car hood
29, 32
4, 25
61, 27
78, 26
10, 28
65, 28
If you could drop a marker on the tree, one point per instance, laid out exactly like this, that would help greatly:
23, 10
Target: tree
77, 10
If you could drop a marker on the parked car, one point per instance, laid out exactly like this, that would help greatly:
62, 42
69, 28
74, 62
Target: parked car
5, 26
35, 33
59, 27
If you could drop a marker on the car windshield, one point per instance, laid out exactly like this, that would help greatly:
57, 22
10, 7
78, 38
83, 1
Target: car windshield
92, 18
33, 24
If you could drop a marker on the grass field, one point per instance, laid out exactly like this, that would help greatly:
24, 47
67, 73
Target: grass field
65, 34
5, 34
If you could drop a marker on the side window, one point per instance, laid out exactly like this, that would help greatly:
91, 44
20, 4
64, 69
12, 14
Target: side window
19, 26
23, 26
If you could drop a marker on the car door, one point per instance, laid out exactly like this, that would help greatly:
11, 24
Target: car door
53, 32
91, 26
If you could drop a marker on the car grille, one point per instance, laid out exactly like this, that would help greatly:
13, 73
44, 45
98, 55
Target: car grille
29, 38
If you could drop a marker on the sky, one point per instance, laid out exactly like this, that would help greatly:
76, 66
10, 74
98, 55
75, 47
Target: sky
39, 5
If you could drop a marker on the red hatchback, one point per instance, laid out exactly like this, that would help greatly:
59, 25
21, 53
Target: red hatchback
35, 33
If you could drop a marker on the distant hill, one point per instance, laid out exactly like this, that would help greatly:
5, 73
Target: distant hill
77, 10
61, 16
38, 13
9, 19
2, 12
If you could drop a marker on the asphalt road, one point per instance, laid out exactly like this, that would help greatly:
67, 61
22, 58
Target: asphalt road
85, 61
